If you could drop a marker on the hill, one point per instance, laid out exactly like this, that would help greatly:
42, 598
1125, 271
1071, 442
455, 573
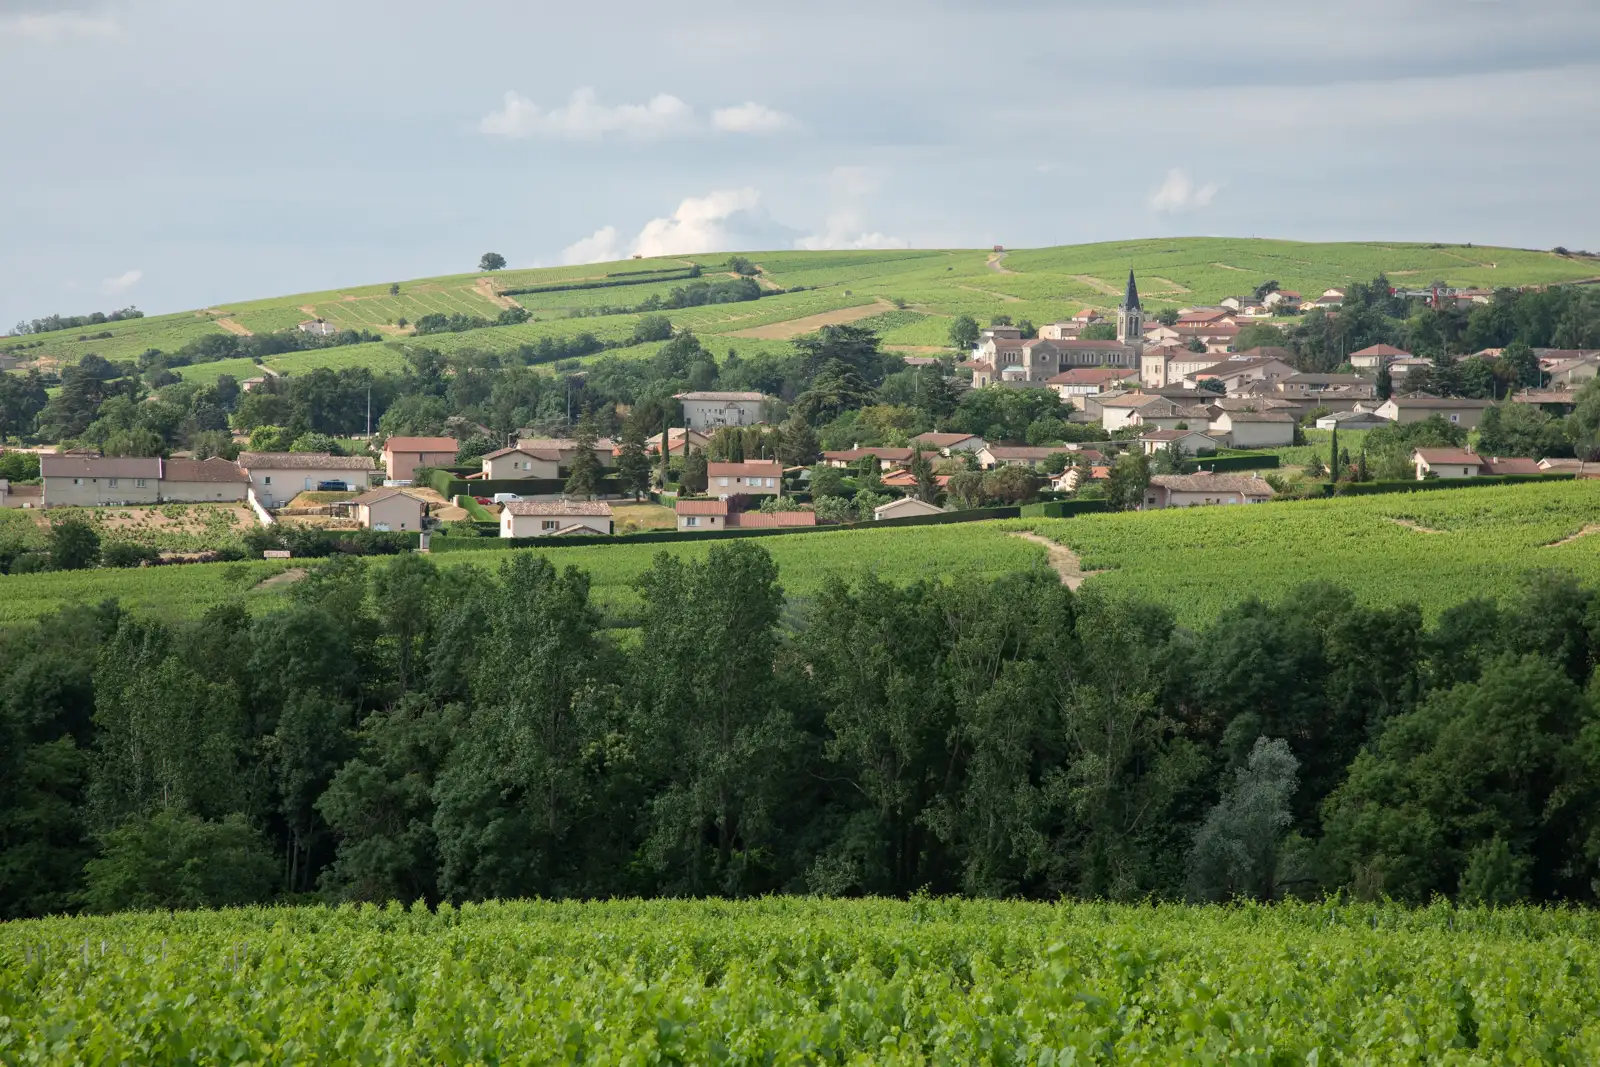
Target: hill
909, 295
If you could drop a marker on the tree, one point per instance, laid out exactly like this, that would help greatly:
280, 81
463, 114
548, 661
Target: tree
21, 400
1195, 345
394, 288
1334, 469
1385, 385
1258, 335
74, 545
492, 261
1099, 331
652, 328
633, 466
172, 859
1130, 477
927, 489
585, 472
797, 447
315, 442
1237, 850
1266, 288
964, 333
694, 479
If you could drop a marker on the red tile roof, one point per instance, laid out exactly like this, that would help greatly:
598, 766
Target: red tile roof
755, 468
757, 519
420, 444
701, 507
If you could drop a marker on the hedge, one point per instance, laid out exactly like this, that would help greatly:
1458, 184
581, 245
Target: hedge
446, 485
1063, 509
608, 282
475, 510
1410, 485
1238, 461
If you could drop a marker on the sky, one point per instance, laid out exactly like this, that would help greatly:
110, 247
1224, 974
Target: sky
176, 154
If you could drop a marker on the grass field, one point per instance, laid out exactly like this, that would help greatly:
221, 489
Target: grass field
1434, 548
1038, 284
797, 981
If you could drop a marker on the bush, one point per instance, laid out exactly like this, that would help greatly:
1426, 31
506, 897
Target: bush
833, 509
127, 554
30, 563
175, 860
74, 545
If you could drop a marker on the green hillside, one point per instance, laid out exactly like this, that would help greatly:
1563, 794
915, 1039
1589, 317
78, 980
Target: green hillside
933, 284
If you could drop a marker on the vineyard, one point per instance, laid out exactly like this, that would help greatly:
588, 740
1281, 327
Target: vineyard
180, 591
934, 285
1433, 548
805, 982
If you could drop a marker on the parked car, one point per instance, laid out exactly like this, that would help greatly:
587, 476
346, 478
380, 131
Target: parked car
483, 500
332, 487
505, 498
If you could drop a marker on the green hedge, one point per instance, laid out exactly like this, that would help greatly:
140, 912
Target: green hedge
475, 510
1413, 485
446, 485
1238, 461
1063, 509
608, 282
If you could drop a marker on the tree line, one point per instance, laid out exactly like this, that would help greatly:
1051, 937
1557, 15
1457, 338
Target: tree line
400, 731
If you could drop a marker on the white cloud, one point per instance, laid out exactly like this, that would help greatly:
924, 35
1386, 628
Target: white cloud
843, 231
599, 247
585, 118
122, 282
750, 117
1178, 193
57, 25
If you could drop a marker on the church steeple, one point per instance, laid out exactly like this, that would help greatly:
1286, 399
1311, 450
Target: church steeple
1130, 316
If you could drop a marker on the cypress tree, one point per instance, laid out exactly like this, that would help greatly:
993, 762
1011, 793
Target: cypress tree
1333, 455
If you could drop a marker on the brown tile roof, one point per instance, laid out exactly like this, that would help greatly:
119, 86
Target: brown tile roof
762, 468
1381, 350
943, 440
214, 469
1257, 416
701, 507
1443, 403
420, 444
1170, 435
1090, 346
757, 519
1516, 465
1024, 451
1091, 376
892, 454
373, 496
702, 394
551, 454
1214, 483
79, 466
558, 507
1433, 456
318, 461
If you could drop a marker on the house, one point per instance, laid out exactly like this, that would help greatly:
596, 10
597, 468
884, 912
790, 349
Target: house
1315, 385
1069, 480
1357, 418
1570, 373
679, 437
1062, 331
905, 508
888, 456
522, 461
403, 455
759, 520
1458, 463
388, 509
90, 480
1553, 401
1287, 299
762, 477
946, 443
1189, 442
702, 514
1416, 408
1404, 366
1117, 412
318, 327
1374, 356
707, 410
1199, 490
1171, 364
992, 456
551, 518
1176, 416
566, 448
1233, 374
196, 480
277, 477
1254, 429
1089, 381
20, 496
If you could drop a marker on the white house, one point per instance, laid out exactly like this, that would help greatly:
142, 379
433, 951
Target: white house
1254, 429
702, 514
554, 518
1199, 490
905, 507
88, 480
277, 477
1190, 442
762, 477
1457, 410
708, 410
388, 509
522, 461
946, 443
1446, 463
1374, 356
1357, 418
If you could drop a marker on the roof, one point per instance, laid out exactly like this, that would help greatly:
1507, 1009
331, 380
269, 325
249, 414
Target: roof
420, 444
577, 529
1090, 346
565, 444
1130, 400
1024, 451
551, 454
905, 502
1514, 466
753, 519
710, 395
1130, 299
1256, 416
63, 466
943, 440
1253, 403
1438, 402
1248, 484
559, 507
1327, 379
701, 507
1381, 350
318, 461
1172, 435
880, 451
1091, 375
375, 496
1353, 416
765, 468
214, 469
1433, 456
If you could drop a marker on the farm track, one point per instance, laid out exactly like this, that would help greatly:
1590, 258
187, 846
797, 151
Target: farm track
234, 327
1004, 297
1103, 288
288, 577
1063, 560
1585, 532
1412, 524
783, 331
996, 263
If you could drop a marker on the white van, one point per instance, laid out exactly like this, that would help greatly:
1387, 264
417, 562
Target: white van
505, 498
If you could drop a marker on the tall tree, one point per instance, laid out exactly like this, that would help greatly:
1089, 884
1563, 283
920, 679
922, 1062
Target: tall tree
1236, 851
585, 471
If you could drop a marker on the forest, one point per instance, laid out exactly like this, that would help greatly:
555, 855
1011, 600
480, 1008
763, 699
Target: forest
398, 731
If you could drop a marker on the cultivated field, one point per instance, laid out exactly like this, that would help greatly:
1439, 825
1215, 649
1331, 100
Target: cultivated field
935, 285
172, 527
1434, 548
795, 981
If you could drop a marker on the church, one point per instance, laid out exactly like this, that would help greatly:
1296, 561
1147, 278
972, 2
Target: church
1003, 355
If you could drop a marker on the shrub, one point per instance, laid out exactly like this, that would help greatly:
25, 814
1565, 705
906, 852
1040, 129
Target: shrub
127, 554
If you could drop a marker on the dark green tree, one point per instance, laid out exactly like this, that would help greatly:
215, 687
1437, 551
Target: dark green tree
74, 545
633, 465
492, 261
585, 470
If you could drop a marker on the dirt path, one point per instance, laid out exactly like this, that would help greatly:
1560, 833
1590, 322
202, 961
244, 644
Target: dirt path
288, 577
1171, 286
916, 350
1585, 532
1005, 297
1411, 524
1225, 266
309, 310
234, 327
485, 288
1062, 559
996, 263
1096, 284
783, 331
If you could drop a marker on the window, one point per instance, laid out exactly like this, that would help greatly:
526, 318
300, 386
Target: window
547, 524
1455, 418
112, 482
77, 481
691, 520
722, 481
138, 483
267, 480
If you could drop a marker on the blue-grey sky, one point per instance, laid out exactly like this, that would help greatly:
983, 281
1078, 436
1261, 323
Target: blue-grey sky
181, 153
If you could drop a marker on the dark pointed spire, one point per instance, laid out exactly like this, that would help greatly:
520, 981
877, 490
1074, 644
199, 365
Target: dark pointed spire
1130, 300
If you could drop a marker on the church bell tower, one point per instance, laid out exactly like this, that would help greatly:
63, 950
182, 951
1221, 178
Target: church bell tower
1130, 316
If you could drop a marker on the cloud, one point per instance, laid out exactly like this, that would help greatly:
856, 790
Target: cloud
846, 226
722, 220
54, 24
750, 117
585, 118
1178, 193
599, 247
122, 282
